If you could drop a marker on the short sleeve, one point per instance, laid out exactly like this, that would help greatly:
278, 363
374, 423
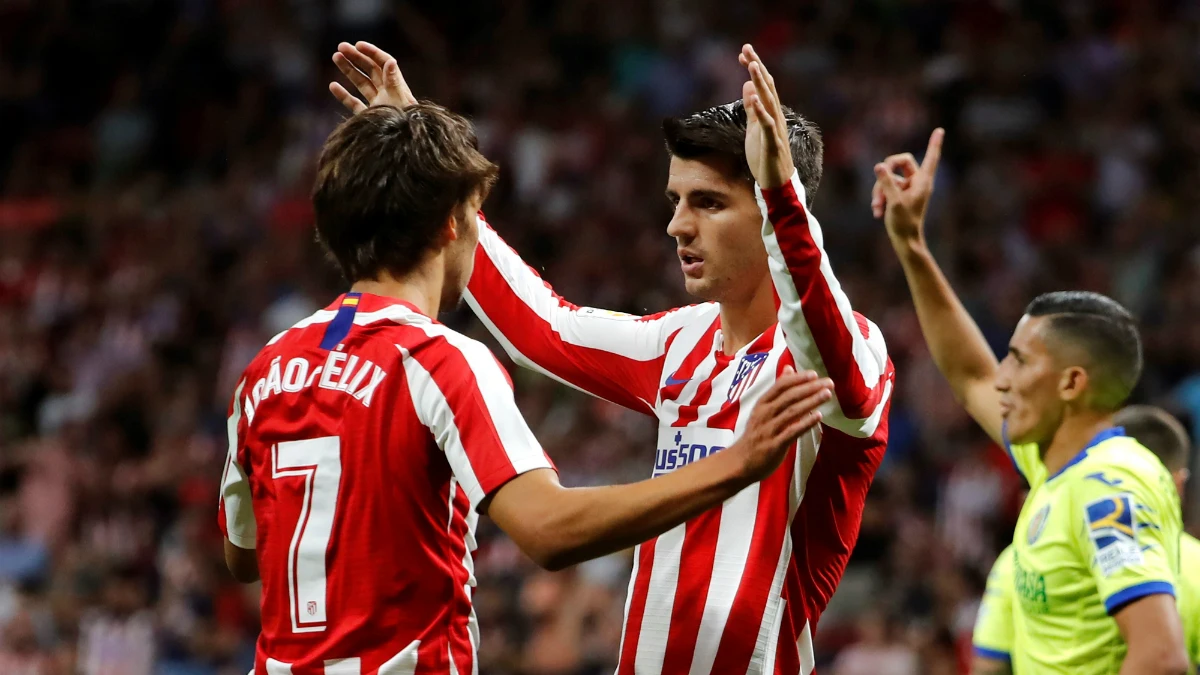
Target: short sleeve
1188, 596
1130, 533
993, 635
235, 510
1026, 457
464, 397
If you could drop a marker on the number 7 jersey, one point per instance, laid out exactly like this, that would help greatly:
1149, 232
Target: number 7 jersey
361, 443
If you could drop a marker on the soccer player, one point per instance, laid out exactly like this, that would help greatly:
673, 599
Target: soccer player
739, 588
366, 439
1161, 434
1096, 551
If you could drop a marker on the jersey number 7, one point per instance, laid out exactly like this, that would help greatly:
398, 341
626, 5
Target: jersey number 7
318, 462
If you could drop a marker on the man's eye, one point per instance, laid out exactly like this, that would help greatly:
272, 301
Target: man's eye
709, 204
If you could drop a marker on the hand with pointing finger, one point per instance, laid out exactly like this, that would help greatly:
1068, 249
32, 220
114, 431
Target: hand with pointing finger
902, 191
374, 73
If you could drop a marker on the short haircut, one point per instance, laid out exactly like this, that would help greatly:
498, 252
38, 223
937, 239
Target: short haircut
388, 180
1159, 431
1105, 332
721, 130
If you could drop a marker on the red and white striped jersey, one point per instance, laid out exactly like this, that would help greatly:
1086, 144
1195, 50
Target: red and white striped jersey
739, 588
361, 442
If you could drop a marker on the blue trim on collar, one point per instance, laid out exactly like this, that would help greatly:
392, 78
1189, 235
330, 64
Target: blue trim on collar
1008, 449
340, 326
1111, 432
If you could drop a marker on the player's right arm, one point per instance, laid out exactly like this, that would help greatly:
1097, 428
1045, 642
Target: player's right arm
1130, 534
461, 393
992, 639
235, 512
612, 356
955, 341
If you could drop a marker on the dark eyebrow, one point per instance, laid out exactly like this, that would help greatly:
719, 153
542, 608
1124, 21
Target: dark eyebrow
1014, 351
711, 194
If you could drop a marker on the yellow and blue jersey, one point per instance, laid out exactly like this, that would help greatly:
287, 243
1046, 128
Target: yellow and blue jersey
1188, 596
1100, 533
993, 634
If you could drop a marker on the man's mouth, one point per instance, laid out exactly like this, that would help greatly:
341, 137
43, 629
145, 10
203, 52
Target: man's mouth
691, 263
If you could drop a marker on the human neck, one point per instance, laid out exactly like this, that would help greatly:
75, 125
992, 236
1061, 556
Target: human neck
421, 287
742, 322
1076, 430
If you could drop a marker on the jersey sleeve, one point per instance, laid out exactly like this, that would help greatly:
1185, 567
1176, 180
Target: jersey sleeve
464, 397
1026, 457
235, 510
614, 356
993, 634
1188, 596
1129, 531
822, 330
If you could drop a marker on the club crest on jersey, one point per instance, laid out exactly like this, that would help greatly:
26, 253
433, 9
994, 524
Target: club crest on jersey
747, 373
1037, 524
1112, 527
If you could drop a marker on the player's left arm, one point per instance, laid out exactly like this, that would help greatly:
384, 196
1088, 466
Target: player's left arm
822, 330
1130, 536
235, 511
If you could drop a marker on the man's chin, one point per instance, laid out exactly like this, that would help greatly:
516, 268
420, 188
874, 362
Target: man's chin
700, 289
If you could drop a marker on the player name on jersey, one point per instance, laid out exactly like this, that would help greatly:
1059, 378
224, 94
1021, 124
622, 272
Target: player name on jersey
358, 378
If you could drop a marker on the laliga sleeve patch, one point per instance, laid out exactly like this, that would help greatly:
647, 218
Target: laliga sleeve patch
1112, 527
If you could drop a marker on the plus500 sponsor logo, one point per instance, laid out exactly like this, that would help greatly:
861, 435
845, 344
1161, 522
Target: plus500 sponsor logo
681, 454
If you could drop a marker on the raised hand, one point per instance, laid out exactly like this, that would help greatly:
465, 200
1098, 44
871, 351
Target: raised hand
787, 410
901, 200
767, 148
374, 73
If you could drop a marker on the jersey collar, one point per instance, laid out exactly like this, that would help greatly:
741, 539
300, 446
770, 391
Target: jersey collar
369, 302
1104, 435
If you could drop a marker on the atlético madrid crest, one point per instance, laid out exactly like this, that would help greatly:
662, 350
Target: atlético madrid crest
747, 372
1038, 524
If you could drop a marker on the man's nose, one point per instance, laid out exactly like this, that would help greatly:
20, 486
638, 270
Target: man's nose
682, 226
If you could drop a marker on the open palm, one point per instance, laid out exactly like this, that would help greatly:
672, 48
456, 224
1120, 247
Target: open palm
374, 73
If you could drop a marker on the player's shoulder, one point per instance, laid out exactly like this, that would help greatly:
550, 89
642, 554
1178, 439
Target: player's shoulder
1004, 563
680, 316
1189, 549
1122, 461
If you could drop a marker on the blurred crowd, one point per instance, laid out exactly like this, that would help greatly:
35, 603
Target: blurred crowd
155, 231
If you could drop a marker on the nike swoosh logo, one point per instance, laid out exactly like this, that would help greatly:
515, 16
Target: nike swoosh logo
672, 381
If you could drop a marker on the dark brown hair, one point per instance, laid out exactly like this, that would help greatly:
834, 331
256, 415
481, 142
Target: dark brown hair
721, 130
1106, 333
387, 181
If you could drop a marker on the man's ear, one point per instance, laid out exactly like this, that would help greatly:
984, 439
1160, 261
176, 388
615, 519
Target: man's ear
450, 229
1073, 384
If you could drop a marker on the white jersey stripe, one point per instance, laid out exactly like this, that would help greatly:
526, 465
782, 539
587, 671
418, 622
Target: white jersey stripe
523, 450
352, 666
660, 598
733, 548
404, 663
240, 526
633, 577
434, 412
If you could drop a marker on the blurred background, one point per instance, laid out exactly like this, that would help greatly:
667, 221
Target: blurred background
155, 230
